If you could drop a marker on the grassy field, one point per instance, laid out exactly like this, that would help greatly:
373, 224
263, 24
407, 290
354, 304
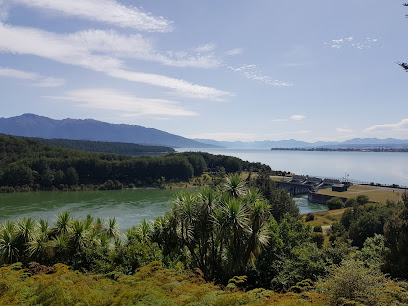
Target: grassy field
374, 193
324, 218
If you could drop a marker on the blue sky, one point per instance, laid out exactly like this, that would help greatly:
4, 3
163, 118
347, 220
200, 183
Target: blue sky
224, 70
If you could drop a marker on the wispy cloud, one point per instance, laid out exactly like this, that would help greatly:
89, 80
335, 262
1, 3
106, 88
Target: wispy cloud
179, 87
252, 72
297, 117
399, 126
236, 51
225, 136
79, 49
343, 130
39, 80
293, 117
352, 42
106, 11
205, 48
136, 46
123, 103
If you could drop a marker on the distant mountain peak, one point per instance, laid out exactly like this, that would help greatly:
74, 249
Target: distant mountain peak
32, 125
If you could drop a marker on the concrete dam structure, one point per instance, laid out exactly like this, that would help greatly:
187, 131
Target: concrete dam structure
299, 185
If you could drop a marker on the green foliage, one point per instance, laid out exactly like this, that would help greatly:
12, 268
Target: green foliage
280, 201
350, 202
108, 147
32, 164
362, 199
396, 240
222, 232
335, 203
365, 221
373, 252
310, 217
352, 282
150, 285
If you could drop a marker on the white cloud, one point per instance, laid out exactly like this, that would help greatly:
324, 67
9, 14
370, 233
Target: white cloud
178, 87
225, 136
205, 48
40, 81
135, 46
92, 52
251, 72
107, 11
297, 117
293, 117
351, 42
236, 51
343, 130
400, 126
3, 10
17, 74
123, 103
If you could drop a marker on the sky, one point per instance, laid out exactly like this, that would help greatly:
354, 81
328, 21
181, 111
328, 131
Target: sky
224, 70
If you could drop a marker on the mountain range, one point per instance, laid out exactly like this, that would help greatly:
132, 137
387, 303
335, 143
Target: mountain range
31, 125
292, 143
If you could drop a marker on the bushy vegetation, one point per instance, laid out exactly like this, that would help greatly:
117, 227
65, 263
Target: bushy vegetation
335, 203
150, 285
227, 234
363, 221
30, 164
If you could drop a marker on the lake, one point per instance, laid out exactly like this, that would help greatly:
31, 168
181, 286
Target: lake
129, 207
362, 167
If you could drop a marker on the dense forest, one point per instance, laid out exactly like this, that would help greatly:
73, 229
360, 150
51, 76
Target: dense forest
120, 148
245, 236
31, 164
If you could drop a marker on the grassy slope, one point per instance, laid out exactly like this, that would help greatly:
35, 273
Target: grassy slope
151, 285
375, 194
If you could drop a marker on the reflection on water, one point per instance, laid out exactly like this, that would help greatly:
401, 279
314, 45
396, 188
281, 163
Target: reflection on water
129, 207
306, 207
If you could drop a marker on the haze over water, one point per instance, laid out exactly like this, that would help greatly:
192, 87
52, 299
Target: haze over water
377, 167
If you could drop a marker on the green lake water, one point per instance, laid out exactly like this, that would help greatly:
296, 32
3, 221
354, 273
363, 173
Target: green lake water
129, 207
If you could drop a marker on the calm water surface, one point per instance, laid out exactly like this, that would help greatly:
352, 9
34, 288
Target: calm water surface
129, 207
377, 167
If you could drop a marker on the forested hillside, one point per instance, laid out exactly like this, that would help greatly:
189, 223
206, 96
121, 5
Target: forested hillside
32, 164
121, 148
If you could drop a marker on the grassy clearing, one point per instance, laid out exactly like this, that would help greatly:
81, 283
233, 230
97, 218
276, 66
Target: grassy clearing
374, 193
280, 178
323, 218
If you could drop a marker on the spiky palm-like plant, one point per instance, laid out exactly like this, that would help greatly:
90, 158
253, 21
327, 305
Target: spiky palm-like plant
234, 186
63, 223
9, 251
79, 236
41, 249
112, 230
25, 231
142, 233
